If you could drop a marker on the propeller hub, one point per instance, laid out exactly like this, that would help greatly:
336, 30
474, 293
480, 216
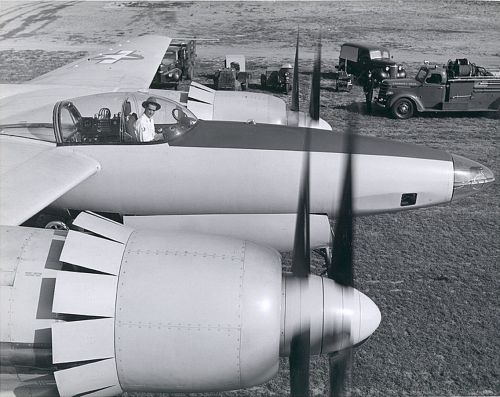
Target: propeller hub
338, 316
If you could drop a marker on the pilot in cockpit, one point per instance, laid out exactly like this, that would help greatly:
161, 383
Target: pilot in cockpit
145, 125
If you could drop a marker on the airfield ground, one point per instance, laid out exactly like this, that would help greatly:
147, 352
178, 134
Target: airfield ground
433, 272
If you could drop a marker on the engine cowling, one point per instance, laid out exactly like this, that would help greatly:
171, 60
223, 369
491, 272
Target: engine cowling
190, 310
148, 311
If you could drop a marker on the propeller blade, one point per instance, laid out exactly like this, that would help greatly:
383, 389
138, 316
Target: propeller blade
301, 267
341, 266
315, 86
295, 83
340, 369
341, 270
301, 259
301, 254
299, 363
301, 263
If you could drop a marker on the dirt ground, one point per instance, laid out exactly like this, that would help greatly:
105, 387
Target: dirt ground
433, 272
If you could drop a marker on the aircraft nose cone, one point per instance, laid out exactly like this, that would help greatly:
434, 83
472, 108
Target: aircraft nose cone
469, 177
367, 319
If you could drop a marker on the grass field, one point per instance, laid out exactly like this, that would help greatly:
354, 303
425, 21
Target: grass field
433, 272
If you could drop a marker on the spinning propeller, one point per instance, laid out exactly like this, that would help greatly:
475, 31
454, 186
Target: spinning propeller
340, 270
295, 82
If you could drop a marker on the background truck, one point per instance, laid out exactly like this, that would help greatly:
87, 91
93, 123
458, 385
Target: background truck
459, 86
369, 64
177, 64
278, 79
364, 61
233, 76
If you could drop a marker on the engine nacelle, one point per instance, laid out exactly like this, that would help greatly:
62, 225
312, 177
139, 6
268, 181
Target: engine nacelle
190, 309
149, 311
274, 230
159, 311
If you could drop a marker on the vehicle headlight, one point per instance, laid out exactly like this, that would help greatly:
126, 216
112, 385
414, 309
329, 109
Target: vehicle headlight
170, 74
400, 68
387, 68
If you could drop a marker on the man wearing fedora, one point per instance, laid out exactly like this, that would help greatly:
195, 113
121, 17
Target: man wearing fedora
145, 125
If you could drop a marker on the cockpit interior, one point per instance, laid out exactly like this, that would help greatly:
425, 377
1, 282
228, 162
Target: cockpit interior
111, 119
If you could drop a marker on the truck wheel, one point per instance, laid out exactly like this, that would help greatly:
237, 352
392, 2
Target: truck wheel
403, 109
56, 225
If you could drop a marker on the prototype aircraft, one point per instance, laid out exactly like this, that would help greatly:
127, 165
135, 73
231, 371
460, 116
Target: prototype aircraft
88, 158
121, 310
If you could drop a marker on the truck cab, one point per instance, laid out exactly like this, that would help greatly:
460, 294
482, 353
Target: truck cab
177, 65
439, 89
363, 60
432, 86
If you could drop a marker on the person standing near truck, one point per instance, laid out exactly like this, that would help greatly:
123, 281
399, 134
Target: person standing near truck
368, 90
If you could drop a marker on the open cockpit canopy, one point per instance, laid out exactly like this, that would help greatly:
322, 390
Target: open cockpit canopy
110, 119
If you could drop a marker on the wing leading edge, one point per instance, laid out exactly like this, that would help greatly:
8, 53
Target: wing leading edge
34, 175
132, 64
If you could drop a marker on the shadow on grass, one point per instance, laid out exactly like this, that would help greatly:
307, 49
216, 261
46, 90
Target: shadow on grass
360, 108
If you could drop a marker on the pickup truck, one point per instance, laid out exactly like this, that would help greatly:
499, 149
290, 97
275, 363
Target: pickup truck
459, 86
177, 64
369, 64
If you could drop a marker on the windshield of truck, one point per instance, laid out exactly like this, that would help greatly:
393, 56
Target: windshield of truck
420, 77
169, 58
379, 54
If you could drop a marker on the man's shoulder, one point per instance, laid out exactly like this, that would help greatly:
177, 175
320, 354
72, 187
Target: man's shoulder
142, 118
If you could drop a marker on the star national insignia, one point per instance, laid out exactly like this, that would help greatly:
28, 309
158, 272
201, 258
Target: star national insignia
118, 56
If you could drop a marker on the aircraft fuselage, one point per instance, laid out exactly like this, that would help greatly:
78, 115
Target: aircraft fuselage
225, 167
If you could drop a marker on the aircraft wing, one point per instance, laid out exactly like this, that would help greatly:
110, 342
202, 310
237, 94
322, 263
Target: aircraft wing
34, 173
132, 64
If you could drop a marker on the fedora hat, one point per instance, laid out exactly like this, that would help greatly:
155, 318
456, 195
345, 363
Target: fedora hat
151, 100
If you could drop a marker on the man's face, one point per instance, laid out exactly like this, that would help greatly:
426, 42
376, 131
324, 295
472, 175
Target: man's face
150, 110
